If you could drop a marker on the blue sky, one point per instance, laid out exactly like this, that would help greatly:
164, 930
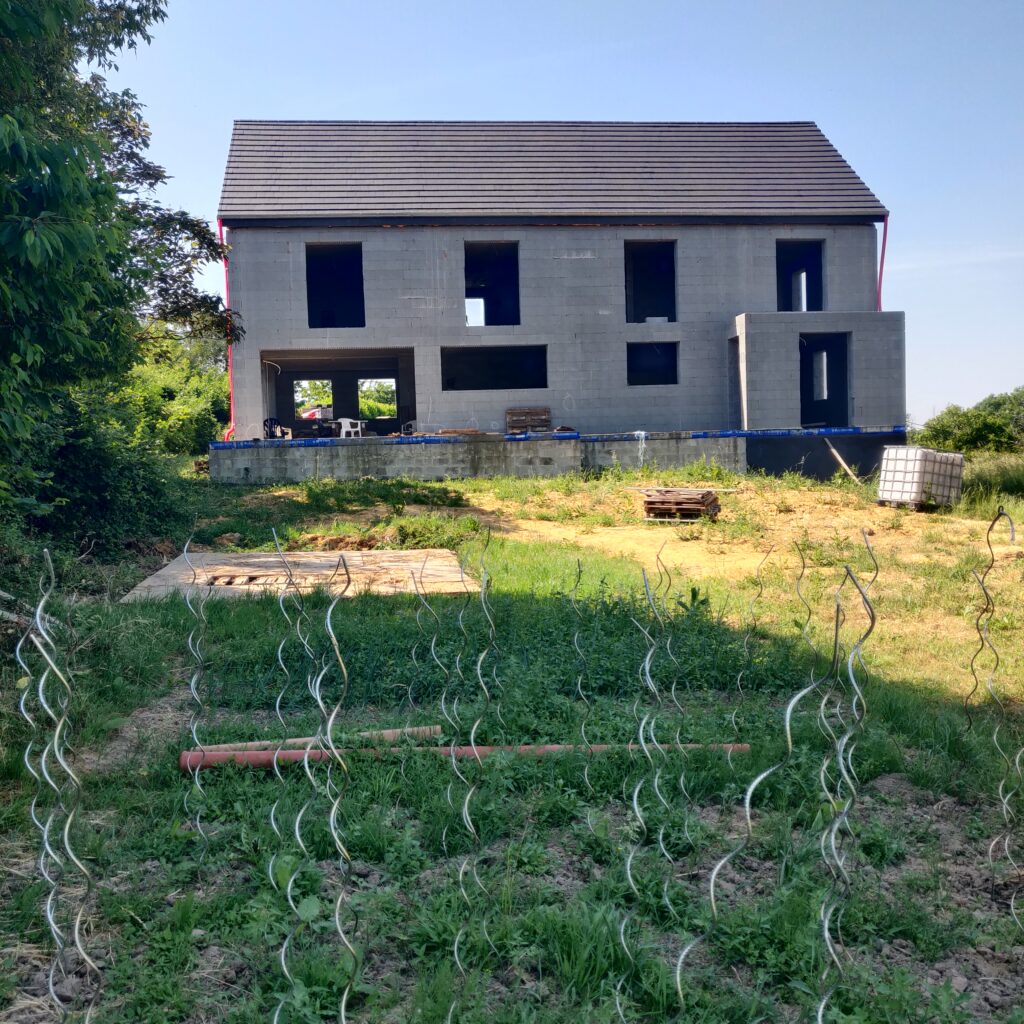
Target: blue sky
925, 99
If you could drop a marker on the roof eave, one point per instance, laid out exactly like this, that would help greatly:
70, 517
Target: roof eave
236, 220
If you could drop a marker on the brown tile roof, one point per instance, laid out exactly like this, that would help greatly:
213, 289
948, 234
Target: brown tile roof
401, 171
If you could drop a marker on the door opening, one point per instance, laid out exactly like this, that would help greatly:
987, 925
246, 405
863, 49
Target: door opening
824, 388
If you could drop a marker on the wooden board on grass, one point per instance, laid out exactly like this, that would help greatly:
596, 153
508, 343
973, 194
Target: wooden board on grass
255, 573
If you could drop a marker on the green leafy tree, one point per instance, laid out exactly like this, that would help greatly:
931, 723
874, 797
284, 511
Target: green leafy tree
87, 254
312, 393
377, 400
978, 429
174, 398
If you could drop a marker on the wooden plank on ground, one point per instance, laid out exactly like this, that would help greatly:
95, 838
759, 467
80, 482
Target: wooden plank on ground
254, 573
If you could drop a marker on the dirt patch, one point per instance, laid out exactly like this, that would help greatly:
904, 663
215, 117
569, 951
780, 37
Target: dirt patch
754, 518
944, 845
163, 719
335, 542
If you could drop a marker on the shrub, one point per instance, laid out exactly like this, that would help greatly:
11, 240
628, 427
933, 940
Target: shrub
101, 481
176, 404
969, 430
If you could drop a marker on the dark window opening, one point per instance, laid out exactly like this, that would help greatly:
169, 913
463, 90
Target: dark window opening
492, 283
652, 363
334, 285
824, 392
799, 276
650, 281
313, 400
494, 368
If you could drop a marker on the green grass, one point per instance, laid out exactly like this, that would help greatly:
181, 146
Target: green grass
991, 481
191, 931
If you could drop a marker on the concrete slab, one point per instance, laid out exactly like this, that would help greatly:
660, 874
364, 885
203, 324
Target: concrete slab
260, 572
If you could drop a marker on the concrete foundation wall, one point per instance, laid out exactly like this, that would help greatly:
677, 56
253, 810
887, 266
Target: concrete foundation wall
572, 299
665, 452
485, 457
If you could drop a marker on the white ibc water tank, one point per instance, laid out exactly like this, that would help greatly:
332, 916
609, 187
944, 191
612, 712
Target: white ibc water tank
920, 476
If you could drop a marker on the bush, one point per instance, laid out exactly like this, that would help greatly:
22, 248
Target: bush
102, 482
979, 429
173, 402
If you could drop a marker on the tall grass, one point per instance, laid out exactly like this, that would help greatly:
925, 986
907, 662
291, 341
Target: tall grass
991, 481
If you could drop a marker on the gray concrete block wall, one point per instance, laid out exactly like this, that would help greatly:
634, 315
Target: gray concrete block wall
572, 299
485, 457
770, 355
355, 460
666, 453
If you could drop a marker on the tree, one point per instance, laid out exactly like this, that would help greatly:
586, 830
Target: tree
377, 399
986, 427
87, 254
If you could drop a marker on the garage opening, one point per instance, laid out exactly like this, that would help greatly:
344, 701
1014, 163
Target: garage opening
650, 282
492, 284
648, 363
334, 285
799, 276
494, 368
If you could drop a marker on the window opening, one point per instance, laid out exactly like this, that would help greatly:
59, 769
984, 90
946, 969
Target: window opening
799, 276
378, 399
492, 283
820, 376
652, 363
314, 400
334, 285
650, 282
494, 368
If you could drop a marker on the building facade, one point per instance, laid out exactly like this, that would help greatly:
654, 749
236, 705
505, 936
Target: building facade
651, 277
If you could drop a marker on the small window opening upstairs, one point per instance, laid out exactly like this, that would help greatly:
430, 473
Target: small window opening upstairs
648, 363
650, 281
494, 368
799, 273
492, 284
334, 285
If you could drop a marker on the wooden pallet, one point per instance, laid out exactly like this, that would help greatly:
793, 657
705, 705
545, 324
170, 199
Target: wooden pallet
526, 418
670, 503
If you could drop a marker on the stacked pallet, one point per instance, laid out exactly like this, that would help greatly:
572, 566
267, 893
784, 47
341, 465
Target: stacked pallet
663, 503
527, 419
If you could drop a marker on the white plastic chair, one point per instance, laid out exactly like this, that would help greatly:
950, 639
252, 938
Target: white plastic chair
350, 428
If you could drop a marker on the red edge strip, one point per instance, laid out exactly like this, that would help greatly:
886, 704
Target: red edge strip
881, 260
231, 377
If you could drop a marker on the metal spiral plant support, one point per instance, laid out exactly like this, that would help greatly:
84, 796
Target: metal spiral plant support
838, 829
287, 593
58, 857
337, 793
301, 628
646, 741
195, 800
582, 677
658, 603
787, 726
747, 656
1011, 780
